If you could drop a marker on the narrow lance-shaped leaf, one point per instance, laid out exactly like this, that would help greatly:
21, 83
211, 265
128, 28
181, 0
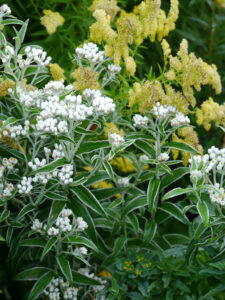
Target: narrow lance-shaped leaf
174, 211
152, 195
203, 212
65, 268
50, 243
40, 285
176, 192
181, 146
50, 167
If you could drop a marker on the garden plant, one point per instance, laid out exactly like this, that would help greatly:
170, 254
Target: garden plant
112, 158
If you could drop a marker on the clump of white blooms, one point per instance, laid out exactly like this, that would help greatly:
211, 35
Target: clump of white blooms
5, 10
8, 164
7, 54
124, 181
103, 105
82, 251
17, 130
180, 119
37, 225
143, 158
25, 185
6, 190
33, 55
196, 174
96, 288
57, 152
59, 289
162, 112
91, 53
65, 174
81, 224
114, 69
140, 121
163, 157
218, 197
116, 140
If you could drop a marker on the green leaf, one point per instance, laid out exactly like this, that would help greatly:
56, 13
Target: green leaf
181, 146
109, 170
139, 136
7, 122
40, 285
31, 274
174, 211
84, 131
177, 174
50, 167
28, 208
2, 239
56, 209
50, 243
146, 148
92, 146
5, 214
65, 139
152, 195
176, 192
55, 197
65, 268
12, 22
82, 241
119, 149
150, 231
203, 212
135, 203
134, 222
21, 34
33, 242
86, 197
82, 279
102, 194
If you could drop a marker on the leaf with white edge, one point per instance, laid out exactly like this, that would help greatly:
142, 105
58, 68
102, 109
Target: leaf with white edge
208, 187
120, 148
50, 167
5, 214
28, 208
135, 203
203, 212
81, 130
86, 197
82, 279
134, 222
12, 22
33, 242
65, 268
56, 209
31, 274
21, 34
118, 245
65, 139
7, 122
171, 178
2, 239
139, 136
88, 147
50, 243
81, 241
55, 197
174, 211
176, 192
152, 195
146, 147
150, 231
181, 146
109, 170
40, 285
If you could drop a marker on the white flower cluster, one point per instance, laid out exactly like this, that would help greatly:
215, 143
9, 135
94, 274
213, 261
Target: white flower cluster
180, 119
28, 98
114, 69
59, 289
196, 174
8, 163
33, 55
124, 181
17, 130
25, 185
218, 197
162, 112
80, 251
6, 190
65, 174
116, 140
96, 288
41, 177
7, 54
140, 121
5, 10
37, 226
163, 157
143, 158
56, 153
91, 53
81, 224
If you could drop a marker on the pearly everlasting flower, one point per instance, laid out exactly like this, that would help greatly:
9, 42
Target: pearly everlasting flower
5, 10
162, 112
124, 181
91, 53
7, 190
81, 224
180, 119
196, 174
103, 105
25, 186
18, 130
140, 121
57, 152
81, 251
163, 157
33, 55
37, 225
114, 69
96, 288
53, 231
116, 140
218, 197
143, 158
65, 174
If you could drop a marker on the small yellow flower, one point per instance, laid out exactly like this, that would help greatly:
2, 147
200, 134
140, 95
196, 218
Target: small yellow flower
4, 86
110, 6
57, 72
51, 20
140, 258
138, 272
123, 164
221, 3
86, 78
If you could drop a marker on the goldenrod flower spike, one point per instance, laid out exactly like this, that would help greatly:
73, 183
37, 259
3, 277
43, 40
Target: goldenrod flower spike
51, 20
86, 78
57, 72
109, 6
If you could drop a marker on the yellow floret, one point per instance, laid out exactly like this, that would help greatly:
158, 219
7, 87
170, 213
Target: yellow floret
57, 72
86, 78
123, 164
4, 86
51, 20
